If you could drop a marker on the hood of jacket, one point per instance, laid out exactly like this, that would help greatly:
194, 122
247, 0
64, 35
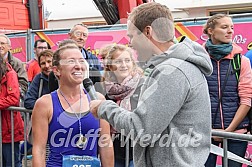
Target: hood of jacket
186, 50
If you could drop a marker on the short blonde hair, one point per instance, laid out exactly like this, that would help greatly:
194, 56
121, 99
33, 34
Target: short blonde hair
158, 16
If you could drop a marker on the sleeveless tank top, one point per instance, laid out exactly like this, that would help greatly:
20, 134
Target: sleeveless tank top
64, 132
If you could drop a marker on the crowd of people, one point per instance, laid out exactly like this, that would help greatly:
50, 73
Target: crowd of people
156, 110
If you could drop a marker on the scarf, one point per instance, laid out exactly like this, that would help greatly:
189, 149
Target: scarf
121, 93
218, 51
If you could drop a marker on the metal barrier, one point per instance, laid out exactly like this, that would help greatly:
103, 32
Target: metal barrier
26, 115
226, 136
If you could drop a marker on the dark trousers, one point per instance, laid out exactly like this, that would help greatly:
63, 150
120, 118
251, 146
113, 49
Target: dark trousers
22, 149
7, 156
235, 146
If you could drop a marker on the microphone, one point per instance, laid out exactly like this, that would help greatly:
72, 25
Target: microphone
88, 85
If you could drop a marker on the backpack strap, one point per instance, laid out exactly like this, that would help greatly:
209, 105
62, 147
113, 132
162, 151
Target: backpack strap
222, 91
236, 63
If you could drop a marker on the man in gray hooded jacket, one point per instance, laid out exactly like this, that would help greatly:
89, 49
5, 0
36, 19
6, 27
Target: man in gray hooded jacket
171, 124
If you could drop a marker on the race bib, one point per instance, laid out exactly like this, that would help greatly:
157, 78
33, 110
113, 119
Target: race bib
80, 161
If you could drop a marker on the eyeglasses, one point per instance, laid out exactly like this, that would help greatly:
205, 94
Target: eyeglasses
3, 43
73, 61
120, 61
41, 47
79, 34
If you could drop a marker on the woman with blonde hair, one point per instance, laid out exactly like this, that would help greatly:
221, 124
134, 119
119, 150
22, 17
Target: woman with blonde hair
230, 91
114, 59
122, 82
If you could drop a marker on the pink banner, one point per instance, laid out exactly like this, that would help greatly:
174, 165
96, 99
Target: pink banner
242, 35
18, 45
96, 40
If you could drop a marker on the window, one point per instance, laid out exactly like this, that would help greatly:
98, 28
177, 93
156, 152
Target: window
230, 11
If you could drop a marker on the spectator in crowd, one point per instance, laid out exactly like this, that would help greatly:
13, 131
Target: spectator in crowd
174, 100
15, 63
32, 66
67, 110
9, 96
39, 85
122, 85
103, 53
230, 94
37, 88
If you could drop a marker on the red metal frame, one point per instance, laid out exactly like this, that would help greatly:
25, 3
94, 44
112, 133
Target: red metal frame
125, 7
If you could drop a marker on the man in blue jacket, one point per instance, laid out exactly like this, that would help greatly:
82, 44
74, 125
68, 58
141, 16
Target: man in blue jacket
39, 85
79, 33
38, 88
